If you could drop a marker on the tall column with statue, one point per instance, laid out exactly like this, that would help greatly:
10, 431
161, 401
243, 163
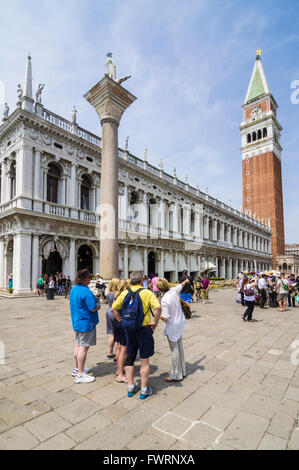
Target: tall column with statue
110, 100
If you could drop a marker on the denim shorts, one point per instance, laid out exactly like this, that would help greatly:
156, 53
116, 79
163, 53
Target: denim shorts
141, 340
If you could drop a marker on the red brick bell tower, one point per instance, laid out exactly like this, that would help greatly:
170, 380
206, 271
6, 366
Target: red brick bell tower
261, 158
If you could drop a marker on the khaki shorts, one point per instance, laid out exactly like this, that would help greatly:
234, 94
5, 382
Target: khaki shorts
205, 293
87, 339
281, 297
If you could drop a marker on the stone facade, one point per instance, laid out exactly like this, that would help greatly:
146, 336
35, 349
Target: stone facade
50, 206
288, 263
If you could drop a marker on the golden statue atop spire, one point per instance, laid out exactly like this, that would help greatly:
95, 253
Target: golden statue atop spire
258, 52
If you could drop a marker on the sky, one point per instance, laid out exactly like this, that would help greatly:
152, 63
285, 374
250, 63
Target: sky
190, 63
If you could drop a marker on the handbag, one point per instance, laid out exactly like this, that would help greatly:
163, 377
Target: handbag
297, 298
239, 298
186, 309
249, 292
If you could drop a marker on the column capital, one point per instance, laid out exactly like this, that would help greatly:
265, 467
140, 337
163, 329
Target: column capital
109, 99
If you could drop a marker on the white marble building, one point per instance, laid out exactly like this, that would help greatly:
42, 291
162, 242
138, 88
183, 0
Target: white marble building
49, 204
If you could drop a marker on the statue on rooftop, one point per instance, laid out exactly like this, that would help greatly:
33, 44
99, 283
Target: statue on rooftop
38, 94
74, 115
5, 112
111, 68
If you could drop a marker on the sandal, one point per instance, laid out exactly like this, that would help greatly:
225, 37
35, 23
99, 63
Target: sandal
122, 381
110, 356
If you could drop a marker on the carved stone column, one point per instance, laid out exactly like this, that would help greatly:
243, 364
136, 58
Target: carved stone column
110, 100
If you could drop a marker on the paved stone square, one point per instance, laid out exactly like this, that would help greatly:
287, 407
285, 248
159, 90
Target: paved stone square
242, 389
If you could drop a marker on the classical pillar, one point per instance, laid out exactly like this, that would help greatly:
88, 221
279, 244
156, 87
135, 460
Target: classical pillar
22, 263
110, 100
175, 220
222, 231
72, 260
161, 264
162, 213
145, 263
24, 177
126, 262
222, 267
62, 190
217, 267
37, 203
73, 191
3, 181
230, 269
35, 267
187, 221
2, 258
206, 227
214, 230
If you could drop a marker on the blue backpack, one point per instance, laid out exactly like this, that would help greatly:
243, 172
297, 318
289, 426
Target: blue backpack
132, 311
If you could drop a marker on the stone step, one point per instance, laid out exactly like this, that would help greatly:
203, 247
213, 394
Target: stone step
7, 295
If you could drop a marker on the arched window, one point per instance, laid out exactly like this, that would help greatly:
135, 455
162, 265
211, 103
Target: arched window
85, 193
253, 136
248, 138
265, 132
12, 176
284, 266
53, 183
259, 134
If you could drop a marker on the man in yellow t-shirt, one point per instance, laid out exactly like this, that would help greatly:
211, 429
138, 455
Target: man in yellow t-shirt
142, 339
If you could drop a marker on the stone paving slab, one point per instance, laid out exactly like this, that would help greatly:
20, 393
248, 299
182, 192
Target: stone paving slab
241, 392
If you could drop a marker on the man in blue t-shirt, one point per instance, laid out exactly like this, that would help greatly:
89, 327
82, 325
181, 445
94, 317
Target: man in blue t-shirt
84, 312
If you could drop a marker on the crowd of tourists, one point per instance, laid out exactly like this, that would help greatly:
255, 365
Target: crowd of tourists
134, 308
58, 284
272, 289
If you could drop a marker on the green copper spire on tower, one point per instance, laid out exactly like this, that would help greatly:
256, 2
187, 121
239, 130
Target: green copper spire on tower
258, 84
257, 87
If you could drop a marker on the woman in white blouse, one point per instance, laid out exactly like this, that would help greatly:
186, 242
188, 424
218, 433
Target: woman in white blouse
175, 322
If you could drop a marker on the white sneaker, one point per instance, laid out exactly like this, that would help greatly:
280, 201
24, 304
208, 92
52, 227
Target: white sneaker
84, 379
75, 372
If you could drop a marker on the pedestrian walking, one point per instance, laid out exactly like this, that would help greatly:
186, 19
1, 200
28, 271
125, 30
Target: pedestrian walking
84, 312
205, 283
249, 297
282, 289
133, 309
175, 322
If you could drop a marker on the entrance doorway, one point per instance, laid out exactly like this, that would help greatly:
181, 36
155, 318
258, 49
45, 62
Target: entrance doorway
151, 263
85, 258
53, 264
